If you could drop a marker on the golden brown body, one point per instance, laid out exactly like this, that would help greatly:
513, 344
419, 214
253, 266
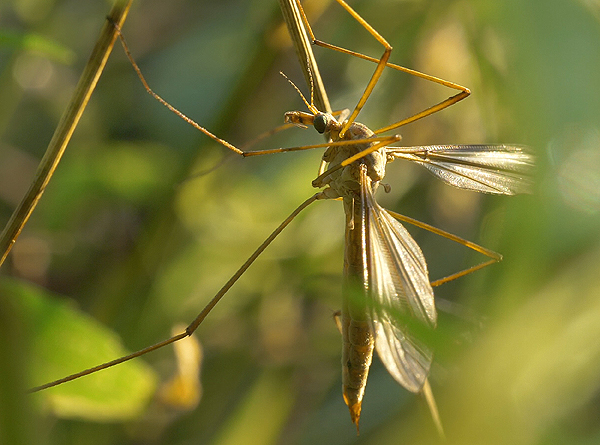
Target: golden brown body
358, 340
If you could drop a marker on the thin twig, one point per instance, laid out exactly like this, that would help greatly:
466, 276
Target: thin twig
66, 126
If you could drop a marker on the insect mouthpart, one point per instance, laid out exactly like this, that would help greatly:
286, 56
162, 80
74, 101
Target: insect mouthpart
298, 118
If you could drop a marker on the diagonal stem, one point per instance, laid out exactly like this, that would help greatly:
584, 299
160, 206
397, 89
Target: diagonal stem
294, 18
66, 127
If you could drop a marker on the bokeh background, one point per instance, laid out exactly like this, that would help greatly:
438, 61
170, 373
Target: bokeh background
146, 218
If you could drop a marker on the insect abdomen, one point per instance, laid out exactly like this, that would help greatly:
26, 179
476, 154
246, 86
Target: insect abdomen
357, 353
357, 335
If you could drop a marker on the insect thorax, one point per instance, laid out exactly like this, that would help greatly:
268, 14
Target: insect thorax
346, 181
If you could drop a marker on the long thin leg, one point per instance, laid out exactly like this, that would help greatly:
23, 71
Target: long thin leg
197, 126
240, 151
380, 140
463, 91
495, 257
194, 324
435, 415
381, 62
167, 104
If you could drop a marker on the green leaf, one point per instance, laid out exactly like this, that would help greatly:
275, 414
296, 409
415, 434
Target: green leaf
37, 44
63, 341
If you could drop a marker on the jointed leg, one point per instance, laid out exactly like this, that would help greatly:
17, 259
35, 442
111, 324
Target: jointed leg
435, 415
194, 325
381, 63
463, 91
495, 257
197, 126
168, 105
382, 141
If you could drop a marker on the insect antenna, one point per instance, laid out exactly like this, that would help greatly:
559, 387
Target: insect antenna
310, 105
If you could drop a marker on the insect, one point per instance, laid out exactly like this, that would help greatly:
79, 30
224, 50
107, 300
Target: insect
387, 280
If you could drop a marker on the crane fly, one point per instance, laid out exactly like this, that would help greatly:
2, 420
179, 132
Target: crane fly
387, 282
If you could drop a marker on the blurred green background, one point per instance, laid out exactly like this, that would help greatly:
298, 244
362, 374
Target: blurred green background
126, 243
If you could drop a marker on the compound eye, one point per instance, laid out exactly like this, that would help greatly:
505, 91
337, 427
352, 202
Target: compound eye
320, 123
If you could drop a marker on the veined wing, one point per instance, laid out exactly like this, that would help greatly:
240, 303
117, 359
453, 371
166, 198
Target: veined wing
398, 285
499, 169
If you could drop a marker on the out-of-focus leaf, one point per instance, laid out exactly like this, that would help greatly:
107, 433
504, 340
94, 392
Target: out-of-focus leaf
536, 365
63, 341
39, 44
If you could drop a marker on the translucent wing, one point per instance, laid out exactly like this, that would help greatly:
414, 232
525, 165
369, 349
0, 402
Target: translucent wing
398, 284
499, 169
